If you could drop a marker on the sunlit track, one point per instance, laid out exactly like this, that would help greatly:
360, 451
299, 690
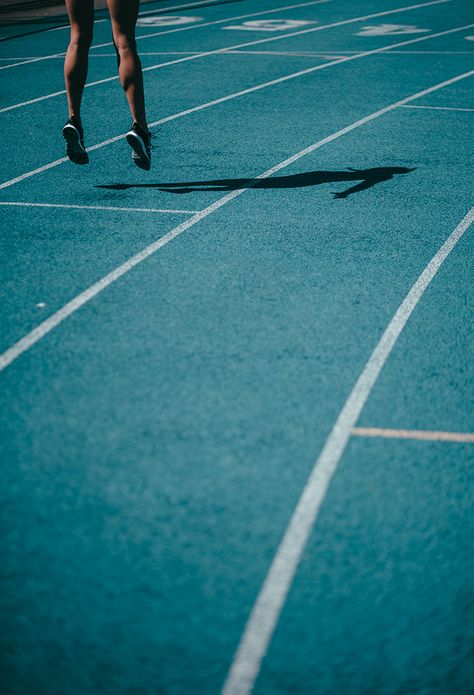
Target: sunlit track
221, 100
237, 443
218, 51
172, 31
43, 329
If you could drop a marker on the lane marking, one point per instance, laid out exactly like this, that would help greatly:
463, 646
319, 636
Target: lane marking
268, 606
165, 20
248, 658
390, 30
293, 54
336, 52
436, 108
170, 31
97, 207
191, 5
32, 60
149, 53
269, 25
229, 97
428, 53
224, 50
424, 435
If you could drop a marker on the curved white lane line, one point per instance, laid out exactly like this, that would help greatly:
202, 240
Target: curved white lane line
267, 608
169, 31
234, 95
59, 316
216, 51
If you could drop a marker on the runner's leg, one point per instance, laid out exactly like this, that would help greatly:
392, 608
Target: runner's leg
81, 17
123, 14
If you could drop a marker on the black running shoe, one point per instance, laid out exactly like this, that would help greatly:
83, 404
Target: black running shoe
139, 140
74, 136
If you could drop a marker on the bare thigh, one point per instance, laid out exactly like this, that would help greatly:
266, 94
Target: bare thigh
124, 14
81, 17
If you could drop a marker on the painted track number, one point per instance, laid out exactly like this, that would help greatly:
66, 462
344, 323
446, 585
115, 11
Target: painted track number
270, 25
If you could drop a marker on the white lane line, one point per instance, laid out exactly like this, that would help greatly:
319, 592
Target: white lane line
234, 95
423, 435
444, 53
150, 53
246, 655
232, 48
454, 53
97, 207
267, 608
170, 31
292, 54
437, 108
330, 54
31, 60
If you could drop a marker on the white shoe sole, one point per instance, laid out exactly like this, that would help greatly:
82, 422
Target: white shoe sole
75, 151
139, 155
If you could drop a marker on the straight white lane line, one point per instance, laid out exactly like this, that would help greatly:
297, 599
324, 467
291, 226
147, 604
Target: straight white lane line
32, 60
330, 54
321, 53
267, 608
436, 108
170, 31
292, 54
246, 656
234, 47
234, 95
422, 435
96, 207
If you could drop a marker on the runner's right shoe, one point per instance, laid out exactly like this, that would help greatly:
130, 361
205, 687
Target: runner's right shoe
74, 136
139, 140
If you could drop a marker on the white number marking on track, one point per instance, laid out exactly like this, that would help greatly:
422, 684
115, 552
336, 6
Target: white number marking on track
161, 21
390, 30
270, 24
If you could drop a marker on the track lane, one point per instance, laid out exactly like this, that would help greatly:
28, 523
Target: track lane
216, 51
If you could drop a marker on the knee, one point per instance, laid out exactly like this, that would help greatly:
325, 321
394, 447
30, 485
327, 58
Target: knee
123, 42
81, 39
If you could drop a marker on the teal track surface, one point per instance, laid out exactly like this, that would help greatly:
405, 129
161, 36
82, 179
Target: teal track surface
157, 434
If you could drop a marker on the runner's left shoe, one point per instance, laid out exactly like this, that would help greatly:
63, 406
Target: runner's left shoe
139, 140
74, 136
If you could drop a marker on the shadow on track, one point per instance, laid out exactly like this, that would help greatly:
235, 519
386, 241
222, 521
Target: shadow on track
367, 178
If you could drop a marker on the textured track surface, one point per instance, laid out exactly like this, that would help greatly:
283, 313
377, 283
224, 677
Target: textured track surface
156, 441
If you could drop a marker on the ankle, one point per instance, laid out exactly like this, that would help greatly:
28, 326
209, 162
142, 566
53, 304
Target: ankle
141, 125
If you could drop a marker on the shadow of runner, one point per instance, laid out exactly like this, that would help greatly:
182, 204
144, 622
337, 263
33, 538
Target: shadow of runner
367, 178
